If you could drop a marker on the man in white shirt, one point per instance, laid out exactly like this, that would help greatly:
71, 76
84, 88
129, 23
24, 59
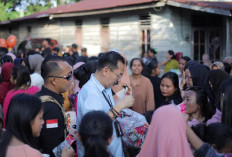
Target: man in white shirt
96, 94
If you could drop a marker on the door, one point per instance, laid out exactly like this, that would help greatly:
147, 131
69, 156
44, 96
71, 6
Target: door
207, 40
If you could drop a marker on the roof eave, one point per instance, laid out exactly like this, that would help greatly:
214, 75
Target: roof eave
105, 11
200, 8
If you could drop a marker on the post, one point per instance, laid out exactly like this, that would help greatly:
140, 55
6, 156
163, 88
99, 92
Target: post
228, 37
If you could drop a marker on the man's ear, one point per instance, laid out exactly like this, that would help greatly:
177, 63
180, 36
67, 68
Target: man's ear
52, 80
104, 71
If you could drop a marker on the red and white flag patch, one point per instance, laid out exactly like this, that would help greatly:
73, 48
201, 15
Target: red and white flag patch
52, 123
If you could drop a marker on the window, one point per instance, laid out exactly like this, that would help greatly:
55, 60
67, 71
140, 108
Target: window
104, 34
145, 23
79, 32
28, 29
207, 40
207, 36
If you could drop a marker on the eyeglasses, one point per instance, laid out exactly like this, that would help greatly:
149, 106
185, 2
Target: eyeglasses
118, 76
69, 77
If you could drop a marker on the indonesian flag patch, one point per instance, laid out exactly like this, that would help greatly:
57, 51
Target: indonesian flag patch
52, 123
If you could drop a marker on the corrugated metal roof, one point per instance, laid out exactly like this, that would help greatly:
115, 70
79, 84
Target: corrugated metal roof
86, 5
90, 5
81, 6
219, 5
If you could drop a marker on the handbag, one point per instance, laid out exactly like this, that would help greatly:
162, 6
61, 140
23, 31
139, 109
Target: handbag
129, 125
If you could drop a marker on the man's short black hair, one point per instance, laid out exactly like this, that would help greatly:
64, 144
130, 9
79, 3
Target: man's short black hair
109, 59
74, 46
84, 49
48, 40
50, 65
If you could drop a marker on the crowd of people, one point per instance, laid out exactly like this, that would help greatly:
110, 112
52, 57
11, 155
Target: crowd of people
188, 109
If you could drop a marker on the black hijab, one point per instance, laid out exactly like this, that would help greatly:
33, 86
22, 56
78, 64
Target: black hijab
200, 77
216, 77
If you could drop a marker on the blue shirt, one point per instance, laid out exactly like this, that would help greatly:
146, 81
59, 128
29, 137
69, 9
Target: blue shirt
91, 98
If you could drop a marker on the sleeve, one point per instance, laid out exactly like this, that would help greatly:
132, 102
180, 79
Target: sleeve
207, 151
2, 95
176, 65
150, 103
52, 133
6, 106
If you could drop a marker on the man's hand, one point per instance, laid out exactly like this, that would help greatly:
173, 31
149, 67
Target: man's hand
126, 101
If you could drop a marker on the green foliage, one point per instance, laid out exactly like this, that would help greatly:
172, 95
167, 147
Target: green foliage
5, 13
37, 8
7, 7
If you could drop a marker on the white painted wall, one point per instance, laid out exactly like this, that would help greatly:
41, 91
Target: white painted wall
91, 36
125, 35
169, 28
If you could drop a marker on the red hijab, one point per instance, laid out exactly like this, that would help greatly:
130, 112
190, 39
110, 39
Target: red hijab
5, 85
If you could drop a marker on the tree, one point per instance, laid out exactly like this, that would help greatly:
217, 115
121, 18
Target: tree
8, 7
6, 13
37, 8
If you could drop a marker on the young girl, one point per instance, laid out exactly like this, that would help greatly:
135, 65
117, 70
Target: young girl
20, 78
142, 89
169, 87
24, 123
153, 71
95, 132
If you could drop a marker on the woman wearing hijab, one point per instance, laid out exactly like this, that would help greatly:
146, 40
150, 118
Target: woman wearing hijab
216, 77
5, 85
198, 75
34, 62
166, 136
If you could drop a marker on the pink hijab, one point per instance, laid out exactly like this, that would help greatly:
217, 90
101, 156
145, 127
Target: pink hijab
166, 135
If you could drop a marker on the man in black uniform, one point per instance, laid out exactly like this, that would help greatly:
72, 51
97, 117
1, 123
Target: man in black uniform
57, 75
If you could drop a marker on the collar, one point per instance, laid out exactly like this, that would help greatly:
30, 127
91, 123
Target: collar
97, 83
56, 96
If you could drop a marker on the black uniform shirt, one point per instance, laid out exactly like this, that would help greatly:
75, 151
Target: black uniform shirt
52, 133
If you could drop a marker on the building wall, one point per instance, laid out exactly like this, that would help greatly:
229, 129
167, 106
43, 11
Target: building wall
124, 35
91, 35
170, 28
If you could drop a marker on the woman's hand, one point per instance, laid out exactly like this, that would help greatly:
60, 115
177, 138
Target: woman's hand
146, 125
68, 152
183, 81
186, 118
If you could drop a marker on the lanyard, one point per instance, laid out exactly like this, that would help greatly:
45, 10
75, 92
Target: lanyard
108, 100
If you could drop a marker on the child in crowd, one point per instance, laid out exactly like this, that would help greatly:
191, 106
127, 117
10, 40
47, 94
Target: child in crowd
24, 123
20, 78
96, 133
